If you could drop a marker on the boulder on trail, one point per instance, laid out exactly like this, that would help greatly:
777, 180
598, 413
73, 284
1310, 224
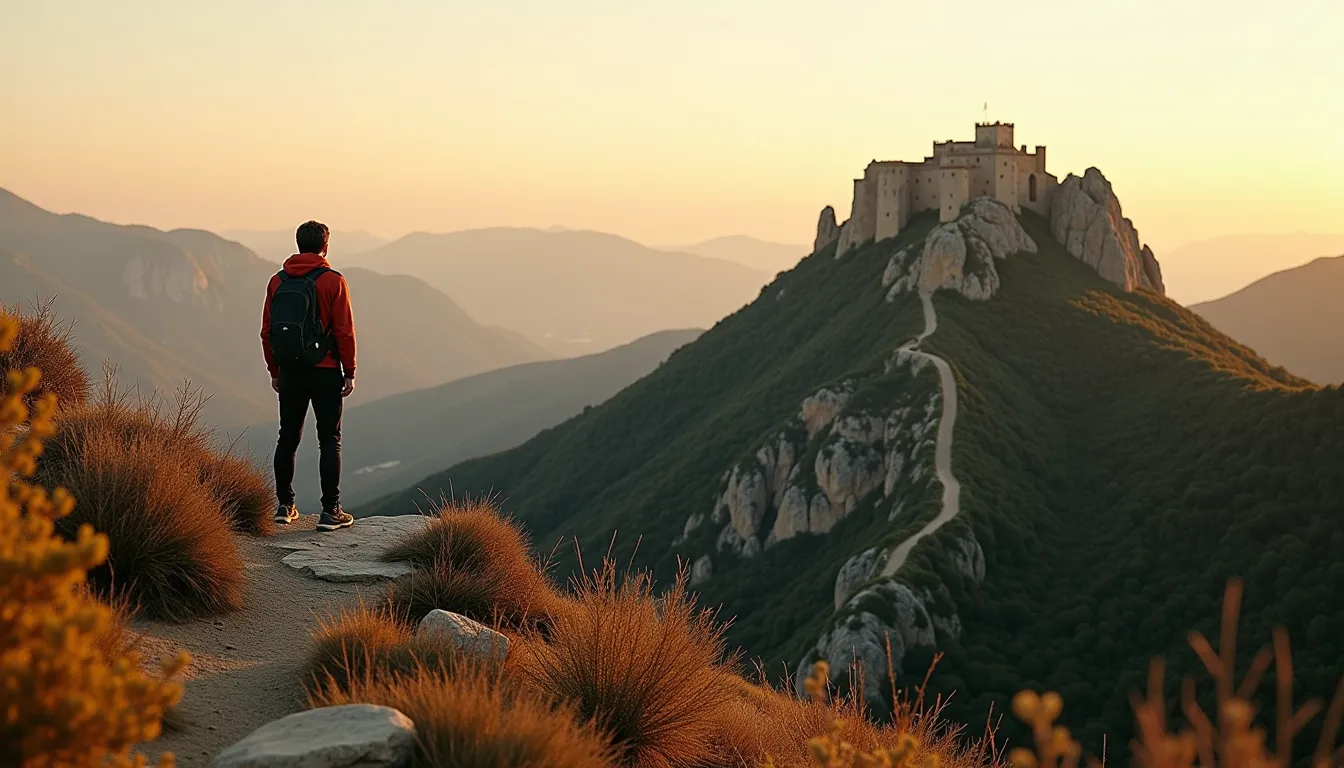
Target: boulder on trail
329, 737
466, 635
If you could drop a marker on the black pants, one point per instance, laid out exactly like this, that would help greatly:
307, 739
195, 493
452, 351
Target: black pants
321, 387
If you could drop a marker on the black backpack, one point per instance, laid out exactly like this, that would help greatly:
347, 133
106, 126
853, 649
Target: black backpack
297, 336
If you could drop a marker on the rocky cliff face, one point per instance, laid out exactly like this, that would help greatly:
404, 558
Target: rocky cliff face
1085, 217
822, 464
960, 255
180, 280
866, 618
827, 230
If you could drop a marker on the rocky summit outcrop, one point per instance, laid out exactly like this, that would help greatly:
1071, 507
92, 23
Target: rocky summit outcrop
466, 635
1085, 217
960, 255
827, 230
361, 735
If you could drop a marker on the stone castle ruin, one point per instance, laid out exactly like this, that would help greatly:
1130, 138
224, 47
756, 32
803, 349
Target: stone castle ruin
978, 187
957, 171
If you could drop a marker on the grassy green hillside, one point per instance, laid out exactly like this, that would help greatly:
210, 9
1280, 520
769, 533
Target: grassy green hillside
1119, 458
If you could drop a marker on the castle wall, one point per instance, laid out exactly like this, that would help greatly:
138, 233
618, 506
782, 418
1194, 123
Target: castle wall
1045, 190
1003, 181
893, 207
890, 192
924, 187
954, 192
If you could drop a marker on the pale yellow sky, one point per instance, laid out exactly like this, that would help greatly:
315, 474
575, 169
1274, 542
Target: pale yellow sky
663, 121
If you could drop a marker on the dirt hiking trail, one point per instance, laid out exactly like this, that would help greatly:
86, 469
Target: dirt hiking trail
942, 455
246, 665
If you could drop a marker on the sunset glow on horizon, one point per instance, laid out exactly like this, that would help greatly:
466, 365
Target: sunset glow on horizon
664, 122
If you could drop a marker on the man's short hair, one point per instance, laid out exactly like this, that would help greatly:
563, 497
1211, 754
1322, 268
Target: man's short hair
312, 237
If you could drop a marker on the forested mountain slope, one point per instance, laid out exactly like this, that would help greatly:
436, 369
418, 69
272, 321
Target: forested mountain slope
1119, 460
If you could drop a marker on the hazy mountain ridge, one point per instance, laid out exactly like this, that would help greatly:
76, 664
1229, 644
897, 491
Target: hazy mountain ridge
574, 291
278, 244
391, 443
1295, 318
1206, 270
1119, 460
186, 304
761, 255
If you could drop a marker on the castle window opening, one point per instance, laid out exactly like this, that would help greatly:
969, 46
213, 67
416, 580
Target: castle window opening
1031, 187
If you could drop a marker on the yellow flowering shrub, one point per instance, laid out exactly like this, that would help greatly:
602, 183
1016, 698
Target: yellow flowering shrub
68, 698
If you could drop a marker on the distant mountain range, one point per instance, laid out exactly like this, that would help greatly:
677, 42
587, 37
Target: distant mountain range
278, 244
1294, 318
186, 304
763, 256
576, 292
392, 443
1204, 270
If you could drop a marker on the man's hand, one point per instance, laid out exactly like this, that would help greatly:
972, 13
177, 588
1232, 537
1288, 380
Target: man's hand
275, 384
348, 388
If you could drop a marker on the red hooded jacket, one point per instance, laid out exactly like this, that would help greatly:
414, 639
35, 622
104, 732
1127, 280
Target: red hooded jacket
333, 308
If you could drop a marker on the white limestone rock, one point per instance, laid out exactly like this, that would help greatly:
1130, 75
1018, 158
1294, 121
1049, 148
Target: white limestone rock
744, 500
855, 571
1085, 217
821, 408
348, 736
861, 637
467, 636
827, 230
351, 554
792, 517
702, 570
777, 463
895, 267
847, 471
960, 255
969, 556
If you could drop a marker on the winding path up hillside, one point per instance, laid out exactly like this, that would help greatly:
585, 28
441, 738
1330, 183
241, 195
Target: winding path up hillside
942, 460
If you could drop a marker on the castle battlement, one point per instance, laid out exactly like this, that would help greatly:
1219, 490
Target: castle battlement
891, 191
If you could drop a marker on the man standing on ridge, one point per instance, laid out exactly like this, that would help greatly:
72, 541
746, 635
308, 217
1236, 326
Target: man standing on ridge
308, 338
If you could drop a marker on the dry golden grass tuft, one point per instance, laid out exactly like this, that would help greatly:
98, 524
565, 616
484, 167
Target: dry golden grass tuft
472, 718
648, 671
245, 495
154, 486
363, 643
46, 343
172, 554
474, 562
74, 694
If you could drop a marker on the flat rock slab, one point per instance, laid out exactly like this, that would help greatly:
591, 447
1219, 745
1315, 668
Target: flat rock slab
351, 554
361, 735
